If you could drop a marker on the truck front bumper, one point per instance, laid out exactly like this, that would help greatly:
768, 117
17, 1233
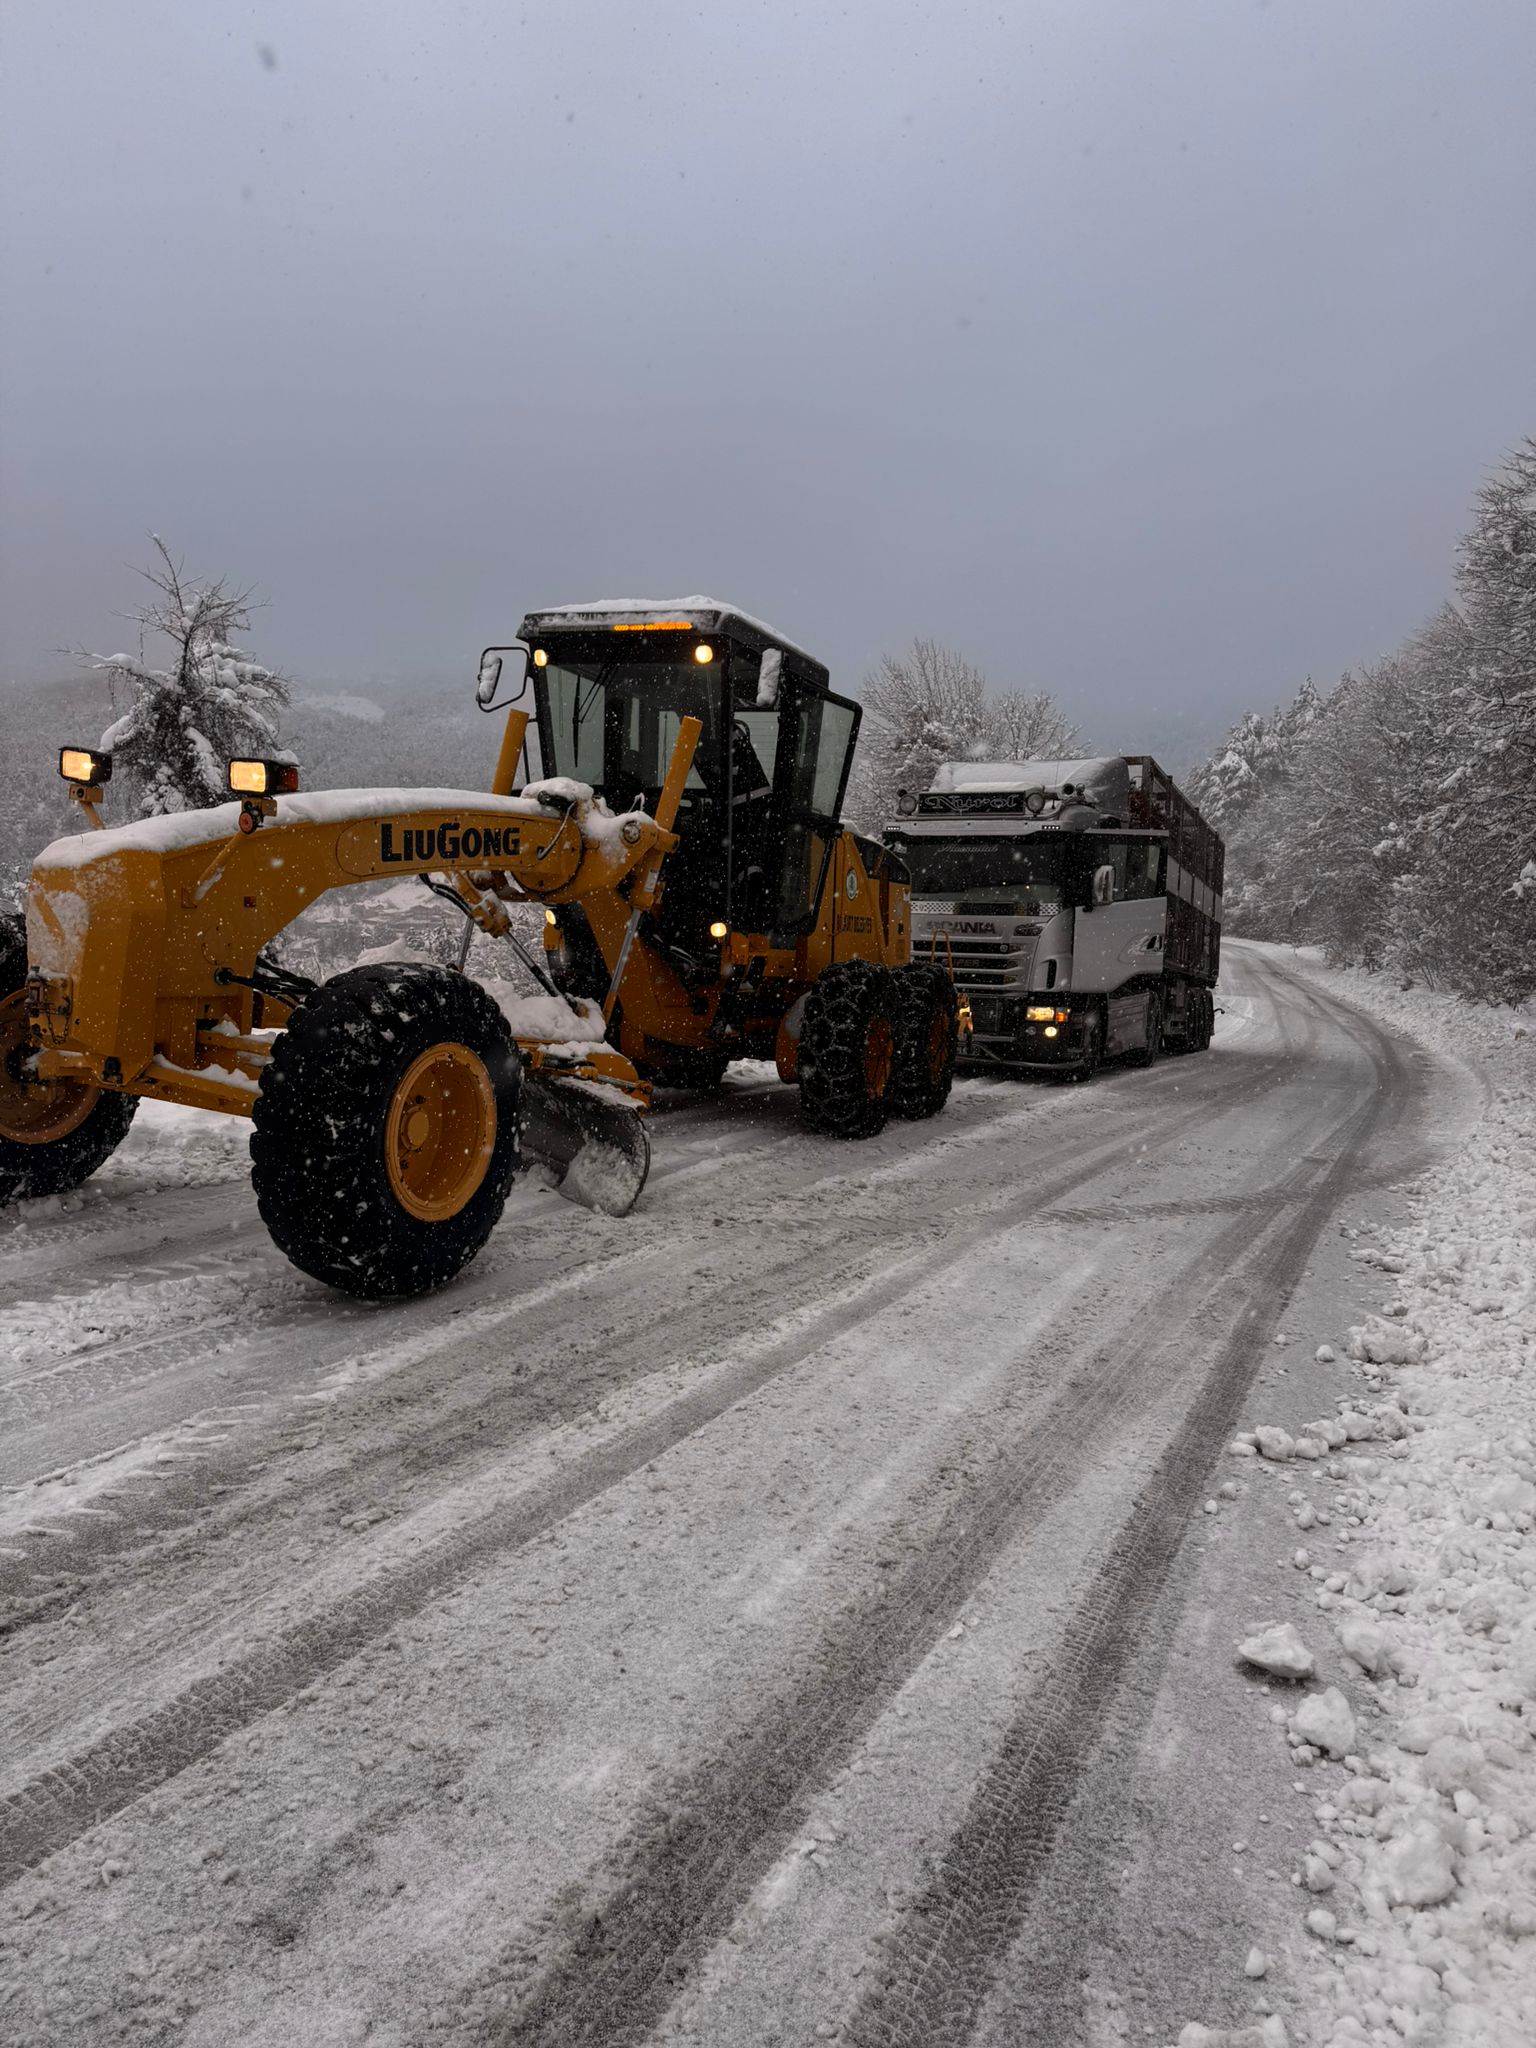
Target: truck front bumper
1005, 1035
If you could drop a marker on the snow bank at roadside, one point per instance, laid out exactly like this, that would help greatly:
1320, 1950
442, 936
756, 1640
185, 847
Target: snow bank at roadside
1419, 1892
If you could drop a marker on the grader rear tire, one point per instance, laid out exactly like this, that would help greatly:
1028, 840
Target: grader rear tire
385, 1134
847, 1060
927, 1027
53, 1134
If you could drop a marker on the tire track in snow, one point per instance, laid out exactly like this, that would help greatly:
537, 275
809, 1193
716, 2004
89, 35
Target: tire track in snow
441, 1443
686, 1877
65, 1801
956, 1931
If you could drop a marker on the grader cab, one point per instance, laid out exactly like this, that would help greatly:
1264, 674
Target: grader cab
392, 1104
781, 935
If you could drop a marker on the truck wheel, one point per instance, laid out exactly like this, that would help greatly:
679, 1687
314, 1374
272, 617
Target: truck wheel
1093, 1048
1148, 1055
385, 1132
1205, 1021
927, 1019
1188, 1039
1195, 1022
848, 1050
53, 1134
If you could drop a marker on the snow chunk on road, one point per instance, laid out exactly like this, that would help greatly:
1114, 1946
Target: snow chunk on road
1363, 1641
1266, 2033
1278, 1648
1326, 1721
1416, 1868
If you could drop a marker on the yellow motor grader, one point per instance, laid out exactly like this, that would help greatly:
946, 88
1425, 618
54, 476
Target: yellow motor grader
392, 1104
781, 935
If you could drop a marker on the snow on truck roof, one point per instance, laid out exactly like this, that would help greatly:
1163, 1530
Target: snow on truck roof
1104, 780
712, 613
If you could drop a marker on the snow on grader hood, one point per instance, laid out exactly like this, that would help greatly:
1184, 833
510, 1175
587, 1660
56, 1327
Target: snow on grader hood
391, 1104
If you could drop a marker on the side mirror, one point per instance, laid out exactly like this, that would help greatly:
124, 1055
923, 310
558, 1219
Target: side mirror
1104, 884
490, 676
769, 671
489, 679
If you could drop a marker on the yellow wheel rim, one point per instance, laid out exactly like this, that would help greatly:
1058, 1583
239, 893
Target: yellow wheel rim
440, 1132
879, 1052
34, 1112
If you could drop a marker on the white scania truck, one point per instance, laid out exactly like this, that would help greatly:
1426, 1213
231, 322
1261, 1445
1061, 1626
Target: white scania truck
1076, 903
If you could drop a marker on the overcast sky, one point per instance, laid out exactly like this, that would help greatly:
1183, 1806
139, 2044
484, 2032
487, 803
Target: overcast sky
1148, 350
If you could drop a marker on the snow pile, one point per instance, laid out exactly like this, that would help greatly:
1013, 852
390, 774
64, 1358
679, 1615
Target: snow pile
571, 1028
1103, 781
568, 1026
1427, 1847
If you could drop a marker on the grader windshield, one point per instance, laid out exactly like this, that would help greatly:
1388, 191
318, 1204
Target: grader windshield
759, 813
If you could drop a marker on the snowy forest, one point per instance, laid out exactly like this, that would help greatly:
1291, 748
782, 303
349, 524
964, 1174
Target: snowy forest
1391, 820
1388, 820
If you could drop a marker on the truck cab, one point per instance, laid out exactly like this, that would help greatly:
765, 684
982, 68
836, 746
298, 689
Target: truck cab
1054, 892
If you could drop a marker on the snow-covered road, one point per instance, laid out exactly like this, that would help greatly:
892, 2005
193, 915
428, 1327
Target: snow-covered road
707, 1626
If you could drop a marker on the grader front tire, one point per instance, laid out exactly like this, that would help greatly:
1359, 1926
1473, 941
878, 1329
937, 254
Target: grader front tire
847, 1060
385, 1134
53, 1134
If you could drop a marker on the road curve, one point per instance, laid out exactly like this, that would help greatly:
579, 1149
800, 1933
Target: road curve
691, 1628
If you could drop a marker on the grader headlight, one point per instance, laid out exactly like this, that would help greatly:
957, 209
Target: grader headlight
83, 768
263, 778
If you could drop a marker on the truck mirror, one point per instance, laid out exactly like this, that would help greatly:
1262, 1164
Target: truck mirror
1104, 884
768, 679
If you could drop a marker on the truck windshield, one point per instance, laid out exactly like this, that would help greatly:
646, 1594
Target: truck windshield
1025, 868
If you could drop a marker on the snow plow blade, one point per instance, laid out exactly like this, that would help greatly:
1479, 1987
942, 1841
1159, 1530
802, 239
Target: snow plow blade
595, 1147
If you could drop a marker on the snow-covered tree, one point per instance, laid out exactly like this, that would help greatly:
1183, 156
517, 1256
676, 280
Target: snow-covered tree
930, 705
1029, 725
211, 703
1392, 822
